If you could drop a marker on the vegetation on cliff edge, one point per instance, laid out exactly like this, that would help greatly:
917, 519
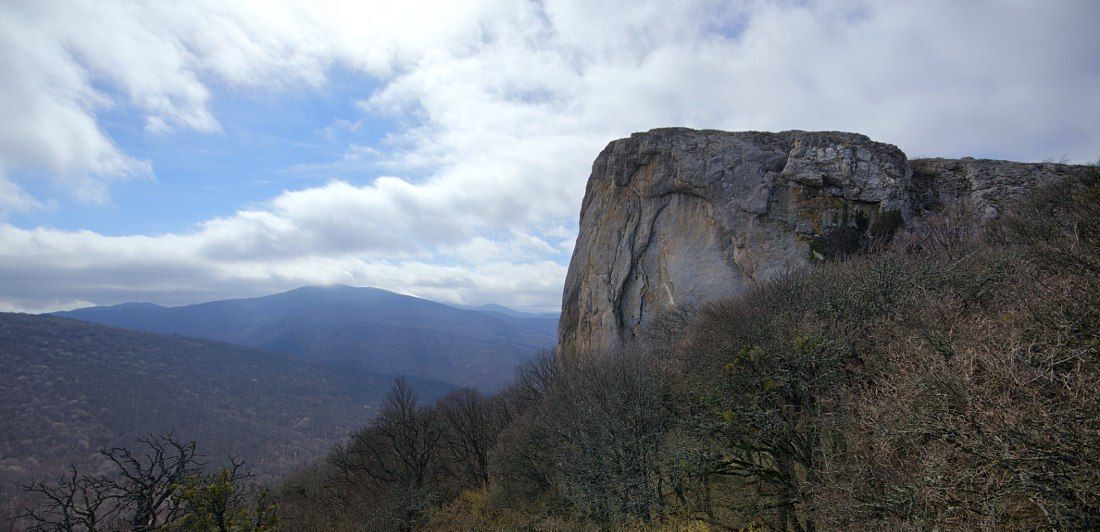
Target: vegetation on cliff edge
947, 379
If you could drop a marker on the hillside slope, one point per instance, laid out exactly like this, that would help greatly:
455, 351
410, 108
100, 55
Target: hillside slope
71, 388
365, 327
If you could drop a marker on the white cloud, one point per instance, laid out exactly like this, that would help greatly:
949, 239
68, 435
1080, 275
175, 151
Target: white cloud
40, 307
14, 199
501, 106
46, 269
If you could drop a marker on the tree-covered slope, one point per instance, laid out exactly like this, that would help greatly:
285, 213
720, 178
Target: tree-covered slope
71, 388
370, 328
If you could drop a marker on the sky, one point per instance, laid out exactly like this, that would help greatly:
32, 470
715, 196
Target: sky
178, 152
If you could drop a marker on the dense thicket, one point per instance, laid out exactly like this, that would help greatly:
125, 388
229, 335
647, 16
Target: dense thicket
945, 380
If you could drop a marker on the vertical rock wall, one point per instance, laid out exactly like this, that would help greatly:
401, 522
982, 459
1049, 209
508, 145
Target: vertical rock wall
676, 218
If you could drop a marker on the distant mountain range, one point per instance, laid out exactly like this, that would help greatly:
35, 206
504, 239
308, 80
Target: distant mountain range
501, 309
364, 328
72, 387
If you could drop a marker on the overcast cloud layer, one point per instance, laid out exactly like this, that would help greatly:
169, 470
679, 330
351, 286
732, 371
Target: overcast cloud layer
500, 107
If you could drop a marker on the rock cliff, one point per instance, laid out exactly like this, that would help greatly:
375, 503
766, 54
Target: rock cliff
990, 186
675, 217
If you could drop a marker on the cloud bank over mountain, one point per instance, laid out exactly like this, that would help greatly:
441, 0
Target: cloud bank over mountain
497, 109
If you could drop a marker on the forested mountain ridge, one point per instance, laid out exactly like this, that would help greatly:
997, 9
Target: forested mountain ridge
72, 388
370, 328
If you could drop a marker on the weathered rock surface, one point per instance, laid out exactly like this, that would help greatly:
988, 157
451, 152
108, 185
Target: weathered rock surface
675, 218
988, 186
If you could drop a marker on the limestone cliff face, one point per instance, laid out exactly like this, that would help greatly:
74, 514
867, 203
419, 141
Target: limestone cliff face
990, 186
678, 217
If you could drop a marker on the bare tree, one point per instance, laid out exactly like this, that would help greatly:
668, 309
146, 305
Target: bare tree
472, 422
400, 446
595, 439
73, 502
533, 381
399, 450
158, 484
147, 480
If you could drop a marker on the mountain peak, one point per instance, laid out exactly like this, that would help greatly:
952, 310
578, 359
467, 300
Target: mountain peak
370, 327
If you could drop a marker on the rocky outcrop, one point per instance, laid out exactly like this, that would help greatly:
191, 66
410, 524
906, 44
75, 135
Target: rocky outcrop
675, 218
988, 186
